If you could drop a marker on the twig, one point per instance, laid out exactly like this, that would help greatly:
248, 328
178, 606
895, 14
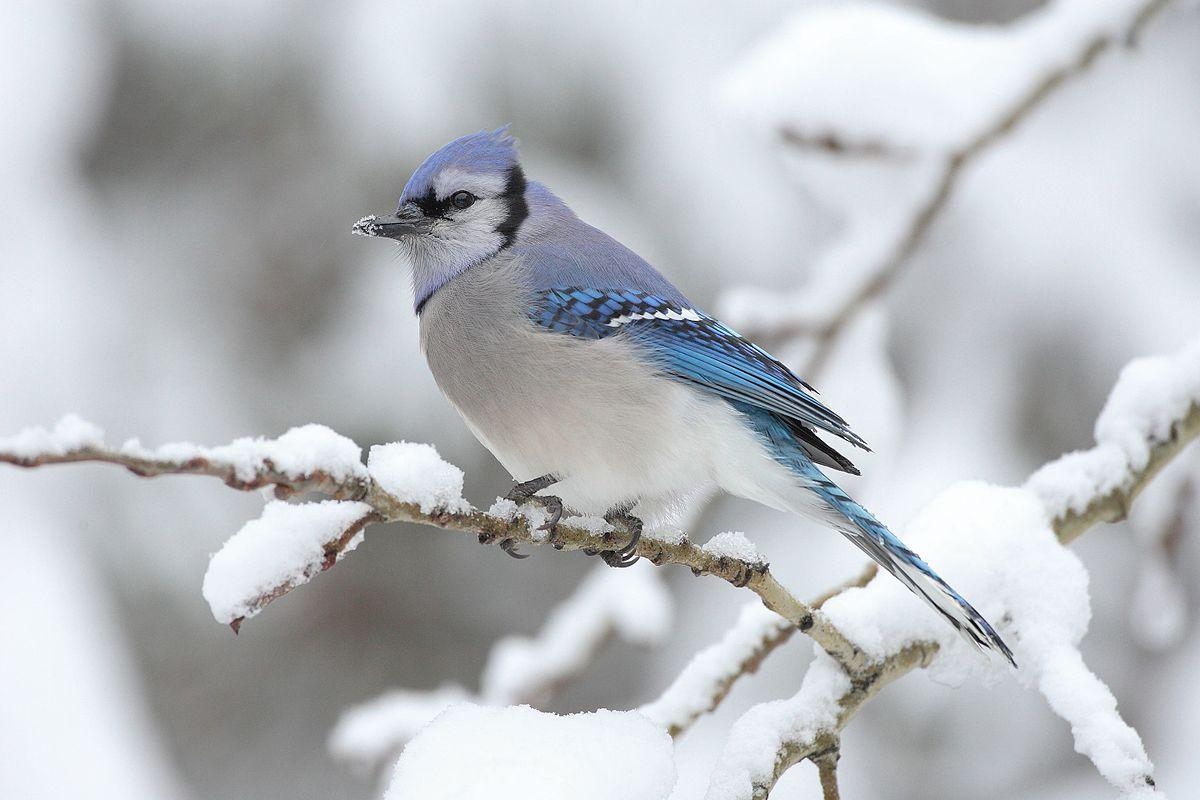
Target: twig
826, 761
876, 280
1114, 506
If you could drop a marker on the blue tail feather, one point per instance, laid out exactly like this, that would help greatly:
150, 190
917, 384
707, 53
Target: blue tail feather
873, 537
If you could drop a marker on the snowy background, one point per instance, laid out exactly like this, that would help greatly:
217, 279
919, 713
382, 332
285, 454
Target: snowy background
176, 195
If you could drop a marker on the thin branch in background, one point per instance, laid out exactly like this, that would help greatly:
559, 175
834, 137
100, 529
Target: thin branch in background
872, 280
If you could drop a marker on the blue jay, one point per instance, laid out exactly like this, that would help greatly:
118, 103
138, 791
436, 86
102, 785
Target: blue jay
579, 366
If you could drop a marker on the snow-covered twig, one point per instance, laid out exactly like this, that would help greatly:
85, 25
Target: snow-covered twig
1152, 413
710, 675
853, 286
398, 489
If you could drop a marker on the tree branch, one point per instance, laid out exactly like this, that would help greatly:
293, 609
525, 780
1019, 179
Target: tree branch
387, 507
876, 279
826, 761
1114, 506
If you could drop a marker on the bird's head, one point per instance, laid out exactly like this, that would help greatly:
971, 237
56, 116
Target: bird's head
463, 205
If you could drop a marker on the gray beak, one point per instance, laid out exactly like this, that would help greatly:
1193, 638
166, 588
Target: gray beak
406, 222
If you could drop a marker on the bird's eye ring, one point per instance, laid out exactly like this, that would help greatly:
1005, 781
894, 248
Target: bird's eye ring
462, 199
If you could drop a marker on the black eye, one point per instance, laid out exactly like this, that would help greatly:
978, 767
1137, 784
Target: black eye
462, 199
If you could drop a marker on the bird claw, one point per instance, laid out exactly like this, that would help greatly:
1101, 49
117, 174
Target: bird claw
510, 547
526, 492
627, 556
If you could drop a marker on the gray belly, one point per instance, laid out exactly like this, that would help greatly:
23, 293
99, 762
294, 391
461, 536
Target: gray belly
586, 410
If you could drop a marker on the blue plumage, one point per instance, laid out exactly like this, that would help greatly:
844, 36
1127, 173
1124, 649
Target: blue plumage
691, 346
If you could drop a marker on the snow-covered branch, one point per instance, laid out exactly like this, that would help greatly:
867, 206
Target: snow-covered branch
797, 84
1033, 585
401, 482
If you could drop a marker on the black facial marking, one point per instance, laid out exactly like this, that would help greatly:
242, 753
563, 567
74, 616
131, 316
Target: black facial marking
518, 208
431, 206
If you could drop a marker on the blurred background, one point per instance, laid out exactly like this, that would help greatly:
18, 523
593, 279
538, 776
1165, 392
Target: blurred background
178, 185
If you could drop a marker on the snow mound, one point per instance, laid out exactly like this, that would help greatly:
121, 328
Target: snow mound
733, 544
69, 434
473, 753
415, 473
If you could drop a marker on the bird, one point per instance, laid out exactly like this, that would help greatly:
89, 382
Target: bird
582, 368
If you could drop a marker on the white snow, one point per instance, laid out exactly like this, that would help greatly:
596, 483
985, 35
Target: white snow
368, 733
299, 452
284, 547
69, 434
415, 473
733, 544
667, 535
519, 753
749, 754
876, 74
503, 509
1149, 395
691, 693
632, 604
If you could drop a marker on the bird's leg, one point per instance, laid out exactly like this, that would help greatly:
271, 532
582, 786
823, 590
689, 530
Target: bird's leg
527, 492
619, 516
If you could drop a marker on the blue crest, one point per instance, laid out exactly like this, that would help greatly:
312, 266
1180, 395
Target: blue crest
485, 152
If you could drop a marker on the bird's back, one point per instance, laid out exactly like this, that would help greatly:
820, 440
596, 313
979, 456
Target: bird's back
557, 249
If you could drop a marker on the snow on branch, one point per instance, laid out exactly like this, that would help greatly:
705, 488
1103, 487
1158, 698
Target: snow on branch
711, 673
1002, 546
1151, 414
867, 81
401, 483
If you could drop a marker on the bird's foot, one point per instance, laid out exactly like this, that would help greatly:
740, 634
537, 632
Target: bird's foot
526, 492
627, 556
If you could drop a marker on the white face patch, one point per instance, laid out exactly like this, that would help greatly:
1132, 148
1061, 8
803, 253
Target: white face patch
685, 313
453, 179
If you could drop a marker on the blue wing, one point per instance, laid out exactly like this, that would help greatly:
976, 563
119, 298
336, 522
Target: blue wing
691, 347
